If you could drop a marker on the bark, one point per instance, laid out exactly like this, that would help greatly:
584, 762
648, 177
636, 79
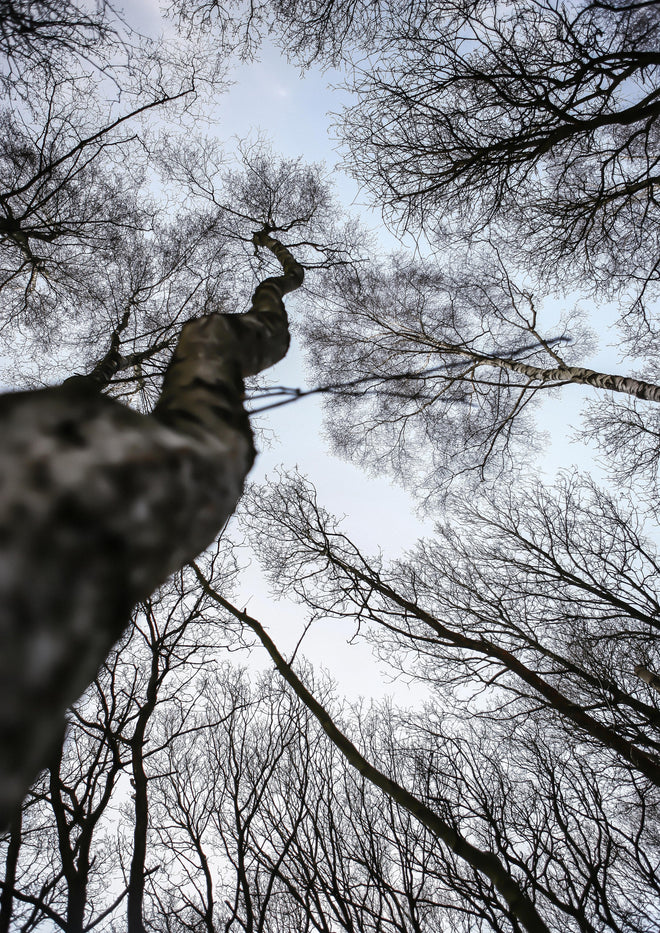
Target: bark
11, 864
560, 374
76, 871
137, 873
101, 376
484, 862
580, 375
100, 504
75, 831
138, 870
642, 761
207, 916
648, 677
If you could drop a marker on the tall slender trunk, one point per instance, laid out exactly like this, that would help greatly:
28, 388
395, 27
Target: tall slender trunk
579, 375
138, 870
482, 861
207, 917
107, 502
74, 858
135, 900
11, 864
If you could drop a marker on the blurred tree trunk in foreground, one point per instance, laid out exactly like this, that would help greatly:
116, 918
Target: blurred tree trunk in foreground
106, 503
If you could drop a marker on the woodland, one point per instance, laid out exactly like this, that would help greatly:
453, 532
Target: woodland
152, 778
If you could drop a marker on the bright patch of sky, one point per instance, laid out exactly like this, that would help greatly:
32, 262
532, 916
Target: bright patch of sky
271, 98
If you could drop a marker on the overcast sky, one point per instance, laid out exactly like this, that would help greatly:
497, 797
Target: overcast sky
271, 97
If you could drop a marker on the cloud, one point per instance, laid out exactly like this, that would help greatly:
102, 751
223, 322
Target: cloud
278, 90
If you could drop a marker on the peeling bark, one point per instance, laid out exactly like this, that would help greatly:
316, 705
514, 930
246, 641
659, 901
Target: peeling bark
99, 504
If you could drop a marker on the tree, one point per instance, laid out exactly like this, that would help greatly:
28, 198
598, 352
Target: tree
67, 203
132, 498
529, 127
63, 866
128, 271
547, 598
39, 39
89, 870
450, 359
540, 117
217, 809
531, 660
173, 635
480, 860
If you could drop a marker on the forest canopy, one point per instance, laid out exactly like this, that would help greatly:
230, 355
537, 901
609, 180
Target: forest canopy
209, 774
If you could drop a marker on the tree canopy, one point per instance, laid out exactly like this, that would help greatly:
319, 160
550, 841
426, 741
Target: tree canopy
170, 760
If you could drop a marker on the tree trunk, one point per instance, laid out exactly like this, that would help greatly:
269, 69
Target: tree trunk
100, 504
138, 869
579, 375
75, 904
647, 764
482, 861
11, 863
138, 861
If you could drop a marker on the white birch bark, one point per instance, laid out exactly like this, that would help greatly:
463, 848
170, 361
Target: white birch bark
99, 504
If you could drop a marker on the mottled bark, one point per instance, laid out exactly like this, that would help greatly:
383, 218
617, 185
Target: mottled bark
560, 374
99, 504
578, 375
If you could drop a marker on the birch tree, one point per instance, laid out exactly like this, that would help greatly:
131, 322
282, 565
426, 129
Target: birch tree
443, 365
536, 121
536, 635
109, 502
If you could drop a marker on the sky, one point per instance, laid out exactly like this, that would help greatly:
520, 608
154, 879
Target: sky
270, 97
295, 112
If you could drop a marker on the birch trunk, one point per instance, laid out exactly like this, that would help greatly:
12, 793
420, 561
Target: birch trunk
99, 504
578, 375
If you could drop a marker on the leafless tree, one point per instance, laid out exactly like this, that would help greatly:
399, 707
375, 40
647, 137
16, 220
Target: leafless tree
68, 199
543, 116
176, 640
480, 860
540, 117
217, 808
442, 366
198, 433
499, 753
63, 880
86, 875
548, 598
40, 40
263, 811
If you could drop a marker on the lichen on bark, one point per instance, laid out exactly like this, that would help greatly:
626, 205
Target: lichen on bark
99, 504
